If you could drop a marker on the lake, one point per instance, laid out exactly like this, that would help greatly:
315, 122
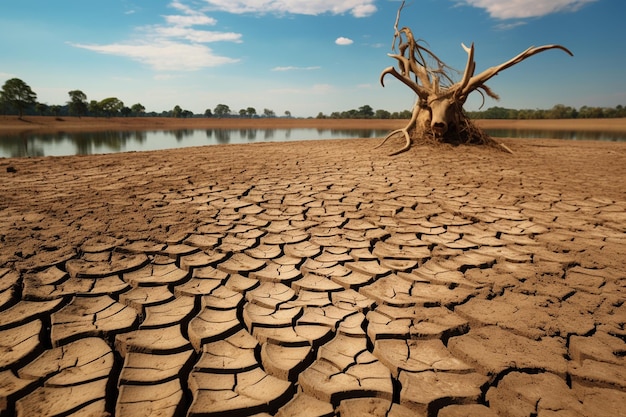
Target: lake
87, 143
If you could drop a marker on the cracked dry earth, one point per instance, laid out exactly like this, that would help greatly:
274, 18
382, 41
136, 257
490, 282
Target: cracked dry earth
315, 278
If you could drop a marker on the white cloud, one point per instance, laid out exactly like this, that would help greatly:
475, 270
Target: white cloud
343, 41
358, 8
508, 26
520, 9
173, 46
291, 68
179, 20
164, 55
178, 5
192, 35
364, 10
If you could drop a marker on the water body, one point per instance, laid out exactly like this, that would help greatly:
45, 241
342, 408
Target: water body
87, 143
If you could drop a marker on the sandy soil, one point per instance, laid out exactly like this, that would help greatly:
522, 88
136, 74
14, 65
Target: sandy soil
51, 124
318, 276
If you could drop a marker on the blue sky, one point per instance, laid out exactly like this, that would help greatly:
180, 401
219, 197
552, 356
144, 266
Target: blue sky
305, 56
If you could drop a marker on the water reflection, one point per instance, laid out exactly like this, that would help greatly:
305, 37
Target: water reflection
64, 143
86, 143
248, 134
558, 134
181, 134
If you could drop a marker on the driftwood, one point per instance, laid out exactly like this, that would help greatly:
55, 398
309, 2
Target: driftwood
438, 113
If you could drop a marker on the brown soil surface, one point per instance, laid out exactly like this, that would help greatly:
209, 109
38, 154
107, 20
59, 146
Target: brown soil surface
52, 124
315, 278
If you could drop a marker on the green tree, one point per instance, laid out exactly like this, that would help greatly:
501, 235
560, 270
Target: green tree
94, 108
560, 111
55, 109
287, 113
251, 111
382, 114
138, 109
41, 108
242, 112
18, 94
512, 114
525, 114
404, 114
78, 103
269, 113
587, 112
187, 113
126, 111
111, 106
221, 110
350, 114
177, 111
208, 113
366, 111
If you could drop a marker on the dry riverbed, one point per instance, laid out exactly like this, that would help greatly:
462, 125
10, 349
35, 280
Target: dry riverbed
314, 278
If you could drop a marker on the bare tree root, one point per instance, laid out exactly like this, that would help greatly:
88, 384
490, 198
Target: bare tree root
469, 133
464, 132
431, 80
506, 148
405, 131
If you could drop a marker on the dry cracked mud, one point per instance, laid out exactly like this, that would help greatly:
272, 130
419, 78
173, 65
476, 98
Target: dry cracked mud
315, 278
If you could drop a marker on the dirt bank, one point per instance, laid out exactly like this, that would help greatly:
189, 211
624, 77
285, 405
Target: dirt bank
47, 124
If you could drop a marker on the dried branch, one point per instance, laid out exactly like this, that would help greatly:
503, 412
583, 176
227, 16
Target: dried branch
438, 111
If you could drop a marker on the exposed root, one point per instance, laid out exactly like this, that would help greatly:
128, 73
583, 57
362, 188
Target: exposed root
506, 148
405, 131
464, 132
469, 133
441, 98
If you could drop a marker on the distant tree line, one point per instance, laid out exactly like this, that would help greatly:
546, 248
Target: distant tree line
366, 112
17, 96
559, 111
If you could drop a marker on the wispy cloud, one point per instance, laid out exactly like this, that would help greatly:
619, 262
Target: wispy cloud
358, 8
520, 9
174, 46
184, 21
164, 55
189, 34
508, 26
343, 41
291, 68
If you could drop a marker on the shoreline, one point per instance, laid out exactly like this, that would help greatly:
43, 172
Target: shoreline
51, 124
